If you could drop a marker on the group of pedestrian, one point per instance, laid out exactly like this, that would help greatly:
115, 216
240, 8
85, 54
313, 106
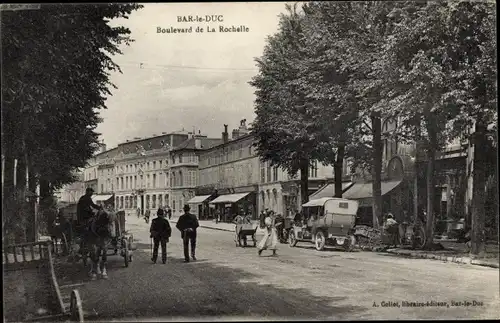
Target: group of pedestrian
161, 231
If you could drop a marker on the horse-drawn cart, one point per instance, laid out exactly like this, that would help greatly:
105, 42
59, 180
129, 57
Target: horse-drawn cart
244, 230
120, 241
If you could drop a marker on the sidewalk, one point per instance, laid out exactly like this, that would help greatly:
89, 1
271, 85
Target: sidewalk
453, 252
221, 226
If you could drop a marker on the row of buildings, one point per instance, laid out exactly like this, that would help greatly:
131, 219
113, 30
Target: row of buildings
226, 174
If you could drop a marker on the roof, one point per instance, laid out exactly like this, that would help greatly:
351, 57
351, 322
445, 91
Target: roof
206, 143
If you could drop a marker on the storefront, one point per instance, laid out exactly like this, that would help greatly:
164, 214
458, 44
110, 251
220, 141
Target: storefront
230, 205
200, 206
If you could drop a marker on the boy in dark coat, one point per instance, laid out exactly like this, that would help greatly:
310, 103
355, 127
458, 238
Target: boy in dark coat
160, 232
187, 225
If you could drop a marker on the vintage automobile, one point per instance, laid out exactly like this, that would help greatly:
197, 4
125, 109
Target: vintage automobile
326, 221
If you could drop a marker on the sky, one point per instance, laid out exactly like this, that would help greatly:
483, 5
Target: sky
184, 80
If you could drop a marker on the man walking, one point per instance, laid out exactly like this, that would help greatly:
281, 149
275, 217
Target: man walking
187, 225
160, 232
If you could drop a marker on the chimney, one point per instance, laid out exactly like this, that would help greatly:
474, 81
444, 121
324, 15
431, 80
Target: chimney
225, 135
197, 143
103, 148
236, 134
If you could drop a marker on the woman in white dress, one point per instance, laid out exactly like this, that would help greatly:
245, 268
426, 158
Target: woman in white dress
270, 239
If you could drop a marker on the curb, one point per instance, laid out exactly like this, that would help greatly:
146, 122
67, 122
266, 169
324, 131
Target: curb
207, 227
454, 259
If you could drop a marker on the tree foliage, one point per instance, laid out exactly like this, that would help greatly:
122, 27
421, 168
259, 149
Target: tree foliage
54, 83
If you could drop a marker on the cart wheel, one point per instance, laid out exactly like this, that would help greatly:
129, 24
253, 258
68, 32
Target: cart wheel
254, 240
320, 241
292, 240
126, 255
76, 308
349, 243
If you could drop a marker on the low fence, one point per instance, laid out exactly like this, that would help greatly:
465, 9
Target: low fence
32, 259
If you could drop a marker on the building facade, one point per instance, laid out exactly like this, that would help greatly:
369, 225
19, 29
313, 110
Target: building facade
71, 193
142, 172
234, 180
183, 171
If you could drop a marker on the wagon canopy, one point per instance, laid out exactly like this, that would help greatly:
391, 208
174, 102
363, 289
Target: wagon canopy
335, 205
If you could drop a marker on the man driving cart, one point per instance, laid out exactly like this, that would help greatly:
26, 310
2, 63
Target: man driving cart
84, 213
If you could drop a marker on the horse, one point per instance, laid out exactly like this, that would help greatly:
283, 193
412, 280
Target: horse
97, 239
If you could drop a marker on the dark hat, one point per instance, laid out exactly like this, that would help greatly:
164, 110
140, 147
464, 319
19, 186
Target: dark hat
89, 190
160, 212
186, 207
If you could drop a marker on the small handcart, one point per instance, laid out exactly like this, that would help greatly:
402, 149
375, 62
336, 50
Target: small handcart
244, 230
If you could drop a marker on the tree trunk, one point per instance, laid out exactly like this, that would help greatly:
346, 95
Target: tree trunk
377, 168
304, 181
429, 228
430, 180
338, 170
478, 190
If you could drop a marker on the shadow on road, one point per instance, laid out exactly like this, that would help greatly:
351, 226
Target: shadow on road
200, 289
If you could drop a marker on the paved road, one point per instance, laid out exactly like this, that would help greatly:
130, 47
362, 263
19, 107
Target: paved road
234, 283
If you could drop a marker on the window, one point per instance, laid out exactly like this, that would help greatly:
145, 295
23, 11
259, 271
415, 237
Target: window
102, 188
269, 171
154, 164
275, 174
126, 202
160, 200
147, 201
148, 184
172, 180
135, 181
154, 202
126, 182
154, 181
160, 163
181, 180
121, 182
142, 181
173, 206
166, 199
180, 158
262, 173
313, 169
147, 167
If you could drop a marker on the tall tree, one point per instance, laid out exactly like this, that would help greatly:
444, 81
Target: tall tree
474, 95
425, 66
56, 81
285, 129
344, 40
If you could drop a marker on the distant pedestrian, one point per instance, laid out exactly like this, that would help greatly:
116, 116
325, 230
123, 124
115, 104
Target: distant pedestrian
270, 239
138, 213
147, 215
217, 216
187, 225
160, 233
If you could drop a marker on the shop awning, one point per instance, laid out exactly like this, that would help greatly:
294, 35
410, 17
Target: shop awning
327, 191
198, 199
229, 198
101, 198
317, 202
364, 190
